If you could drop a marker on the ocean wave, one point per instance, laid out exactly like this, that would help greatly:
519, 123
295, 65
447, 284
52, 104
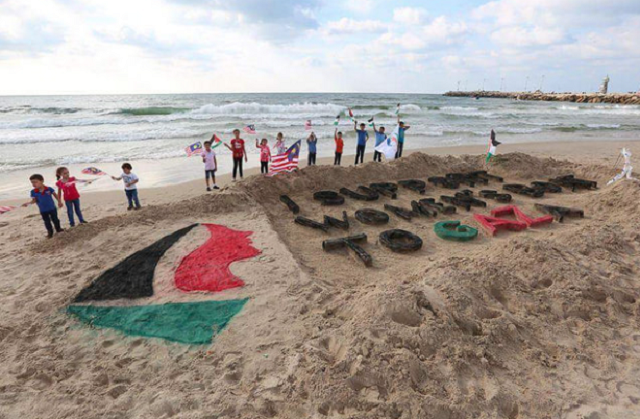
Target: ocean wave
152, 110
255, 108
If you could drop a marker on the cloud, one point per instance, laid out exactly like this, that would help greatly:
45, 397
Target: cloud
359, 6
348, 26
409, 15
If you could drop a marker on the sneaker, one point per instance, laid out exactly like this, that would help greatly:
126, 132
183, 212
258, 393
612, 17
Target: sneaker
49, 234
72, 225
84, 222
208, 189
60, 231
129, 208
137, 208
215, 187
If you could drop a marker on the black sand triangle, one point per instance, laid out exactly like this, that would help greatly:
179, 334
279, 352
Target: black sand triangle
133, 277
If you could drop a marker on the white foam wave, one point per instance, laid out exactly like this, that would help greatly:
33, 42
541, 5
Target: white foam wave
255, 108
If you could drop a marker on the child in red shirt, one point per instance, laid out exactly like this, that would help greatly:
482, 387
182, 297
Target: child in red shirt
238, 151
67, 186
265, 155
337, 136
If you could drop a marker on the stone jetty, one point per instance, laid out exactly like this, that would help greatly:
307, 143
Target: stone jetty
617, 98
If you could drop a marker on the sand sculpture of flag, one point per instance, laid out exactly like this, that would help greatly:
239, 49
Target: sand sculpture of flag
287, 161
93, 171
493, 146
307, 125
204, 270
250, 129
390, 146
194, 149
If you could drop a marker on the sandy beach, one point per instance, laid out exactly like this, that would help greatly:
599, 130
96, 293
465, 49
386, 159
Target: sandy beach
534, 324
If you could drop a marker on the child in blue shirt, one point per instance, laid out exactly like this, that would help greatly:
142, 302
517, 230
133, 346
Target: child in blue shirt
401, 131
380, 137
363, 136
312, 141
43, 196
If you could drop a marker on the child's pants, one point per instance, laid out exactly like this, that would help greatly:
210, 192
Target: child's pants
132, 196
49, 218
237, 164
399, 152
264, 167
71, 205
312, 159
377, 156
360, 153
338, 159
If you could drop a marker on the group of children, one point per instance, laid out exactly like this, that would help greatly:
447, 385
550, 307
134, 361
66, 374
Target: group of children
44, 196
239, 152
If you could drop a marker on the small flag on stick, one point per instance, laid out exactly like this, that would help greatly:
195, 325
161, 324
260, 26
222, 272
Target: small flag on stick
250, 129
307, 125
398, 109
216, 141
371, 122
194, 149
4, 209
351, 115
337, 121
93, 171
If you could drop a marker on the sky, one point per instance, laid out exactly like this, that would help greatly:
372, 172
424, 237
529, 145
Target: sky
396, 46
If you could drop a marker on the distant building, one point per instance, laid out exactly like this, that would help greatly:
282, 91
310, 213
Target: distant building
604, 87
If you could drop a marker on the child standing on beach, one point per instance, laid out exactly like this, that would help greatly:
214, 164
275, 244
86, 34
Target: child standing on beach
402, 128
130, 186
337, 136
210, 165
312, 141
380, 137
363, 137
281, 148
67, 187
238, 152
43, 195
265, 155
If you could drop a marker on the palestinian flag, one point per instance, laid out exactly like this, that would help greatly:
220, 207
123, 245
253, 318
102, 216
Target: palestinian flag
370, 121
351, 115
215, 141
337, 121
398, 109
493, 146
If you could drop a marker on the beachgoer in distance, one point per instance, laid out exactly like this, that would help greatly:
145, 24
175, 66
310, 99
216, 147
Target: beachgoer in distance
265, 155
210, 165
362, 138
337, 136
43, 196
238, 152
67, 187
130, 180
312, 141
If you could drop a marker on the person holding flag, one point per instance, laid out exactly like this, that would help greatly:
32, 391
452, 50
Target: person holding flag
493, 146
312, 141
287, 161
380, 138
238, 152
210, 164
280, 146
362, 138
389, 148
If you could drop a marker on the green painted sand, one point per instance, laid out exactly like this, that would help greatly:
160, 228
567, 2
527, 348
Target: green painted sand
190, 323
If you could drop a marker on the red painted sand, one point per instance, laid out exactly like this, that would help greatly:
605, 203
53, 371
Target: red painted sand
207, 267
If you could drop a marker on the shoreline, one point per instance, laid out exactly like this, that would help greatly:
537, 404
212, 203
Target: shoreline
591, 151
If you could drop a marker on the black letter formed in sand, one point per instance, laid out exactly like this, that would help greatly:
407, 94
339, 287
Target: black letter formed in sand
133, 277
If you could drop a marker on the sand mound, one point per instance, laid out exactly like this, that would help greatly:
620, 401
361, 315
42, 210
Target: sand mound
537, 324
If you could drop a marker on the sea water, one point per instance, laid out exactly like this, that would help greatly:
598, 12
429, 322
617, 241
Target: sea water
38, 133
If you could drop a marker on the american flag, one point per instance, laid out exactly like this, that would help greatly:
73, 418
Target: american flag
250, 129
194, 149
6, 209
93, 171
307, 125
286, 161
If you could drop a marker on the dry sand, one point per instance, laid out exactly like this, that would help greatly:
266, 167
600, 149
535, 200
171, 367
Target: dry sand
536, 324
